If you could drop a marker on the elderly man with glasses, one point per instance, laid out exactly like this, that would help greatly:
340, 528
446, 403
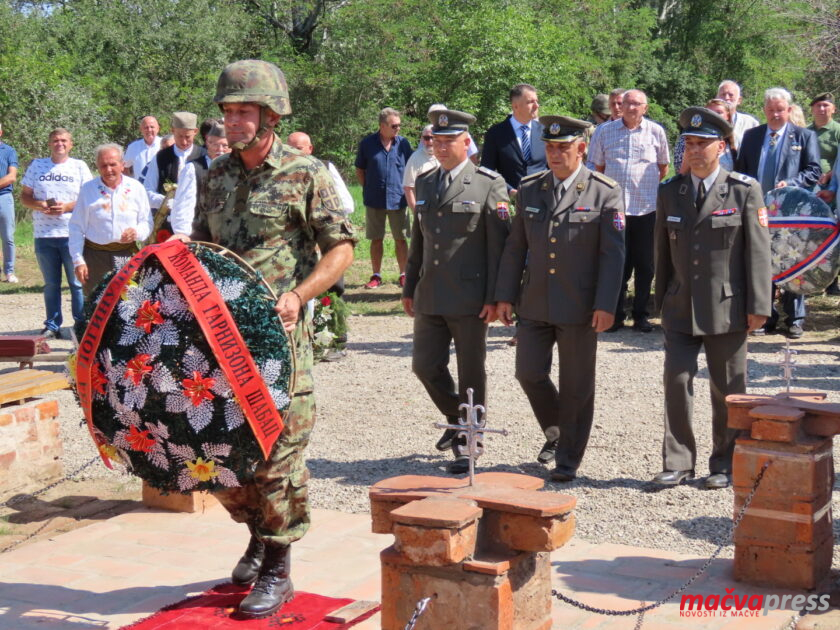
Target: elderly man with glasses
380, 166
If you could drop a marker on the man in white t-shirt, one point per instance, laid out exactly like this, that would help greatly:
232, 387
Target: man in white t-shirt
50, 188
730, 92
140, 152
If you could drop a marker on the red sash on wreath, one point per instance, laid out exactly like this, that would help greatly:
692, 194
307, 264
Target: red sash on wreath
218, 326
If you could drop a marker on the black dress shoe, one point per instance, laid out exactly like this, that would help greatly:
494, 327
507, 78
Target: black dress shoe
615, 327
562, 474
273, 587
833, 288
673, 477
547, 452
249, 564
716, 481
458, 466
445, 441
642, 325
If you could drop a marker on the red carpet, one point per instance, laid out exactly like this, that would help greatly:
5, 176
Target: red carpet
216, 609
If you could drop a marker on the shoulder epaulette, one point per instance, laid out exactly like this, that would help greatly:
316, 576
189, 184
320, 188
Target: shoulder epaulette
488, 172
609, 181
532, 176
740, 177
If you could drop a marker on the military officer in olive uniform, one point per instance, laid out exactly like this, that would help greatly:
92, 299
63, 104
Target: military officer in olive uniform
456, 242
712, 287
568, 240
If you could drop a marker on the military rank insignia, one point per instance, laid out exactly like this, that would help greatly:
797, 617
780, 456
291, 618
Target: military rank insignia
618, 221
762, 217
724, 212
502, 210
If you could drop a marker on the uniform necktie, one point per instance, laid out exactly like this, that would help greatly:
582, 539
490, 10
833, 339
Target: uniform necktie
443, 182
526, 142
701, 196
558, 193
768, 173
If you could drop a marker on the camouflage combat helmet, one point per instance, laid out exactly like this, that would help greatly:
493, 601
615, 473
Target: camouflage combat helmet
254, 81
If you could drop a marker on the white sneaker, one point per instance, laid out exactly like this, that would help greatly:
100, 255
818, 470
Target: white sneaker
12, 278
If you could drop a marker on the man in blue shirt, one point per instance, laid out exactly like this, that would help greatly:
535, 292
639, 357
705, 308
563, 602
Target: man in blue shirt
8, 175
380, 162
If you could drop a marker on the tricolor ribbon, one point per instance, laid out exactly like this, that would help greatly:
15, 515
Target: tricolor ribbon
797, 223
218, 326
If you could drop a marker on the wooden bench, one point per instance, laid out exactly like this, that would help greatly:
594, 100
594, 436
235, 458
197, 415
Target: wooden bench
17, 386
25, 350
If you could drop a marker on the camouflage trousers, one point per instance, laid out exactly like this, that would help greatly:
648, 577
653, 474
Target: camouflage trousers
275, 504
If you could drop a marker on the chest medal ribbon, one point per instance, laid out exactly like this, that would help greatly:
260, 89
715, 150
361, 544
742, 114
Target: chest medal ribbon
183, 367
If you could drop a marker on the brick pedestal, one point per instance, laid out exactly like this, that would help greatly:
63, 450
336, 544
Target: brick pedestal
480, 552
177, 502
785, 538
30, 445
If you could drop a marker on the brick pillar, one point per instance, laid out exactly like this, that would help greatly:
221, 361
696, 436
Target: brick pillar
480, 552
785, 538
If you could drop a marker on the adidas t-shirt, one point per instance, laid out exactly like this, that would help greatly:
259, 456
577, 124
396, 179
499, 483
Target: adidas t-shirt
61, 182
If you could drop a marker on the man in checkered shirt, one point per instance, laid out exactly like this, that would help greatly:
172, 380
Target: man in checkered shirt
634, 151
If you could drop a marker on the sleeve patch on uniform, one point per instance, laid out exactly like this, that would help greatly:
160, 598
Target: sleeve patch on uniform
618, 221
762, 217
330, 199
502, 210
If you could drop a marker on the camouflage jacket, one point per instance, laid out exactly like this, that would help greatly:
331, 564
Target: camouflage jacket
274, 216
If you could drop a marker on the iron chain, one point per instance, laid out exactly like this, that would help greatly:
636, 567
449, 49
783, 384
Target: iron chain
643, 609
418, 610
72, 475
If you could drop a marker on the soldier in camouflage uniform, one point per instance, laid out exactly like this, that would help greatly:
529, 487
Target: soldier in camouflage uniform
274, 206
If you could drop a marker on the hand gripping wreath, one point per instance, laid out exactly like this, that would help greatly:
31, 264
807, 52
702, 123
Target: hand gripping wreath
183, 367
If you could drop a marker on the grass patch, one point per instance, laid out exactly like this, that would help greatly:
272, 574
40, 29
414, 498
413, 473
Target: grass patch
26, 267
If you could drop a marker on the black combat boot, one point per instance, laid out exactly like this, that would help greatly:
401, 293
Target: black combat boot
273, 587
249, 564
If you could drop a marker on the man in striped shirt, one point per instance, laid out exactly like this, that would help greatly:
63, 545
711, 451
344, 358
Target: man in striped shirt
634, 151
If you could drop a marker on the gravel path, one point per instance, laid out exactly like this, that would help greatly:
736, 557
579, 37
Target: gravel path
375, 420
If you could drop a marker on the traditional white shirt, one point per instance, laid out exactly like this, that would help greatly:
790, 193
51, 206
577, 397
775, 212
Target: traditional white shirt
182, 210
138, 154
341, 189
61, 182
152, 175
102, 214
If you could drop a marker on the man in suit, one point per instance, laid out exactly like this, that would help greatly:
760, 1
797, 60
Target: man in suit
514, 147
456, 242
569, 229
780, 154
712, 287
169, 163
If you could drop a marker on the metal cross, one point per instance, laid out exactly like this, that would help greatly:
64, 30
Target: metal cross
472, 426
787, 363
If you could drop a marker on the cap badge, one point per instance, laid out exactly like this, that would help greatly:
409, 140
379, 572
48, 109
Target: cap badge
554, 129
443, 120
696, 120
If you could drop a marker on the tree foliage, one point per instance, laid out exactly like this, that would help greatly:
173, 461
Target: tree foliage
95, 66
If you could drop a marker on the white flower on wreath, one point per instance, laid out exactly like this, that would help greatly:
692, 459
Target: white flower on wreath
178, 400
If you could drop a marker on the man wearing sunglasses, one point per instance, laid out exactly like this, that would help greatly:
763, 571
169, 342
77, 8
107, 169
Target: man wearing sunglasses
380, 166
423, 159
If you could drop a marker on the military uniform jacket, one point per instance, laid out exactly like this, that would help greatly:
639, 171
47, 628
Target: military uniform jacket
574, 250
712, 266
274, 216
456, 242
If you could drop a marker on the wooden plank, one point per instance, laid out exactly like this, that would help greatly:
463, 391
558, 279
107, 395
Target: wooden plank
351, 611
29, 383
52, 357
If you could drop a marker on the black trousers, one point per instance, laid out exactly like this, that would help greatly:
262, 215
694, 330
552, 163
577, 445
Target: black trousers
638, 243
